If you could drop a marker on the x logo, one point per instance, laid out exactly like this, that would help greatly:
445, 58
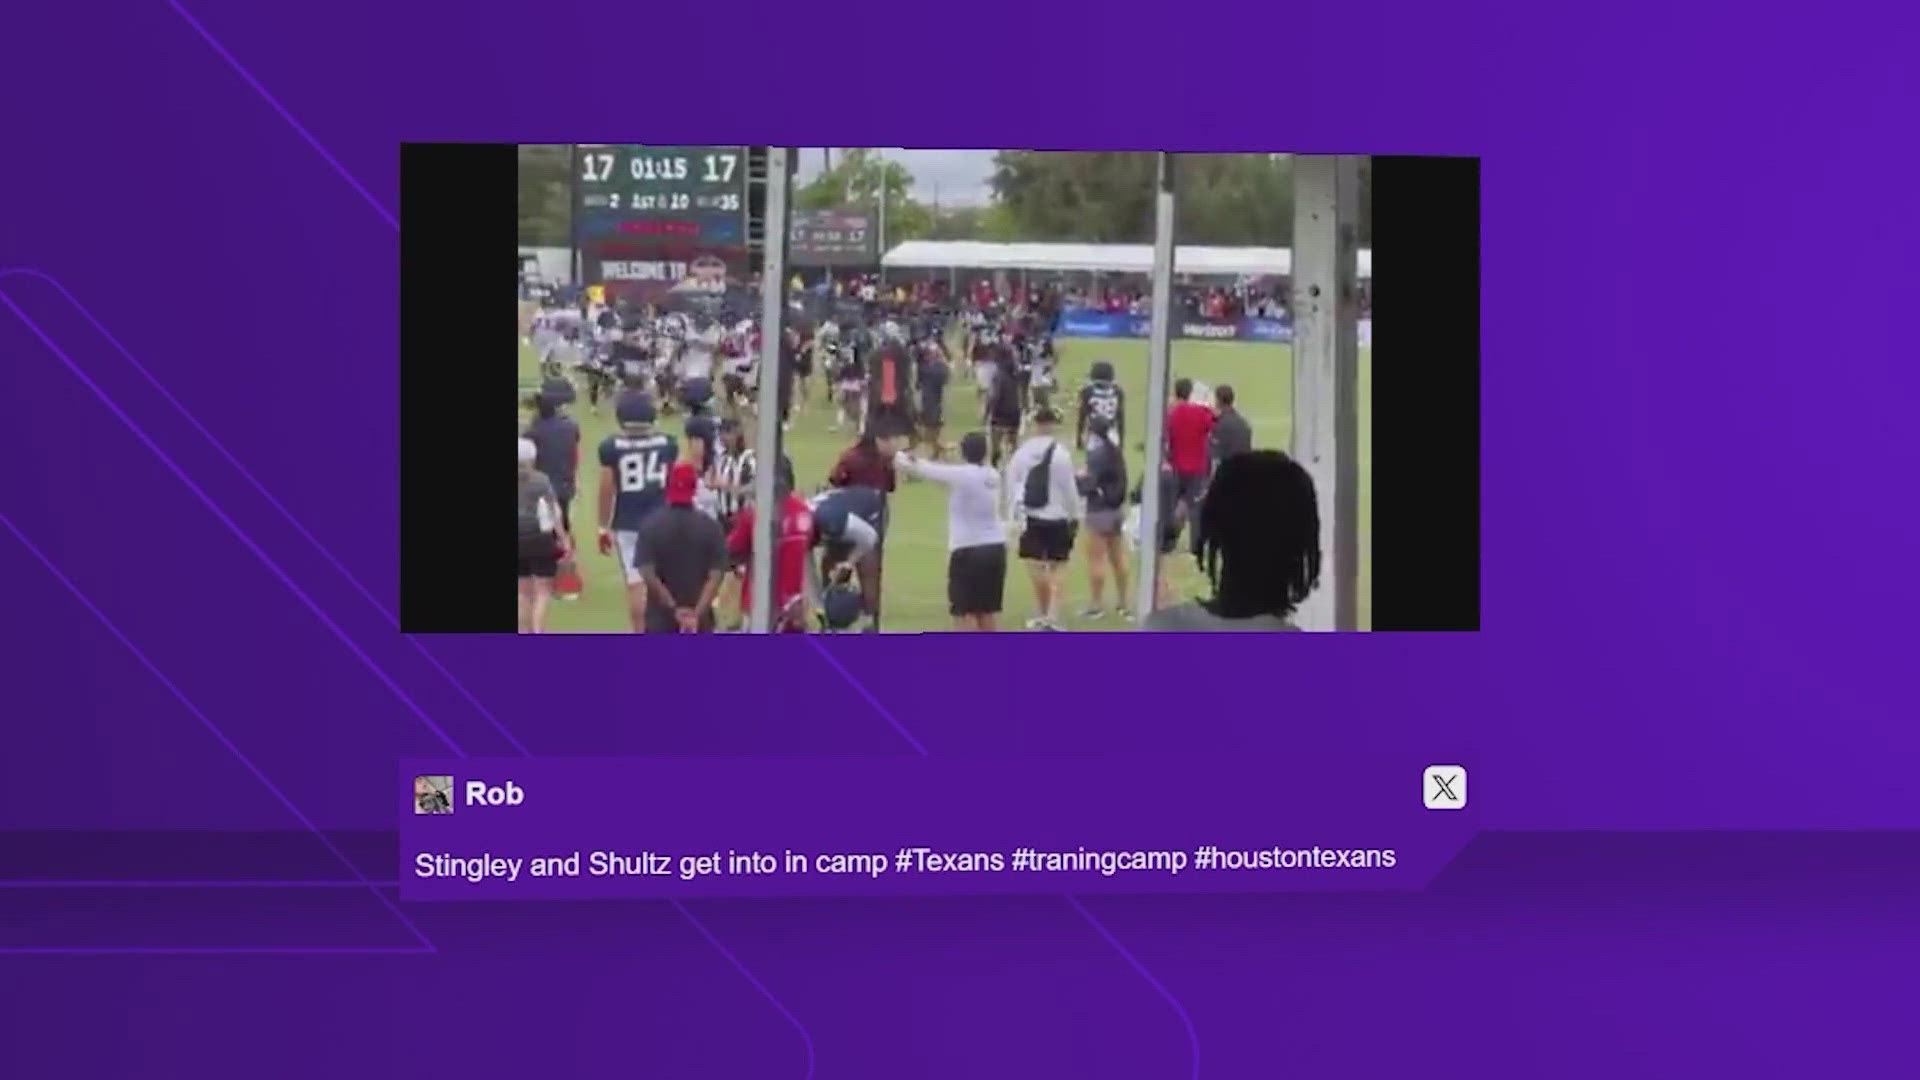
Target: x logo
1445, 787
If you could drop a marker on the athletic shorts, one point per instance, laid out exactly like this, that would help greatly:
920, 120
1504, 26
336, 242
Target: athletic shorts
662, 621
977, 579
1189, 487
624, 543
540, 561
1104, 522
1047, 541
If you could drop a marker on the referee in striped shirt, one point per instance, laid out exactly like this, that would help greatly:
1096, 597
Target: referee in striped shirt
732, 484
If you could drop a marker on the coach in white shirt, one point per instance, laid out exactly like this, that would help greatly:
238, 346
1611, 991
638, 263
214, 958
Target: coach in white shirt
976, 538
1047, 540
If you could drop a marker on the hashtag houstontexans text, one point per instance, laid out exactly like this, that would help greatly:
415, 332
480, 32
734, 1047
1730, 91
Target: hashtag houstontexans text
486, 866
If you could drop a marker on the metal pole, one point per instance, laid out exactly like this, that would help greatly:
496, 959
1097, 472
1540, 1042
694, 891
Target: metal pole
1326, 418
1159, 363
883, 230
766, 443
575, 271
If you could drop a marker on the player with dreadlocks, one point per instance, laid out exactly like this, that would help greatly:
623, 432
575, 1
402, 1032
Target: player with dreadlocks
1257, 535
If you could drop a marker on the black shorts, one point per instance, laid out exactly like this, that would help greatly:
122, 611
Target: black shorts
540, 562
1047, 541
734, 385
662, 621
1190, 487
977, 579
1005, 421
933, 412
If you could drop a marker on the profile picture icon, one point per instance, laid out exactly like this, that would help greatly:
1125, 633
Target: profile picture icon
433, 794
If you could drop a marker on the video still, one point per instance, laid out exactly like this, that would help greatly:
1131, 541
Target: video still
1251, 547
957, 361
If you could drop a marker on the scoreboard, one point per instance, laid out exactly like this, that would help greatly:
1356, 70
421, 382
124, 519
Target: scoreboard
644, 214
832, 238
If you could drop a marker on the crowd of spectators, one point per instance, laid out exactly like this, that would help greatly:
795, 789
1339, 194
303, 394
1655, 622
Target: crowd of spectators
1259, 299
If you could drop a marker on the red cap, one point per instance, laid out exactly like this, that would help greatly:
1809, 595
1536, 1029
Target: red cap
683, 480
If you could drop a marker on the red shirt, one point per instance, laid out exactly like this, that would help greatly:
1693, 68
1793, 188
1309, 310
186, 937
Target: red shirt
1189, 426
859, 467
790, 546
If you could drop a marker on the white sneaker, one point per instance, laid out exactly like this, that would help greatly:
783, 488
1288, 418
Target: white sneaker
1036, 623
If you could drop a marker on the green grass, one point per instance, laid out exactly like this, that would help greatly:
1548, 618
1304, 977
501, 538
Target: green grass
914, 597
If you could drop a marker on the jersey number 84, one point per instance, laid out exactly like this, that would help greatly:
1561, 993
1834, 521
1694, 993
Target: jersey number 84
641, 470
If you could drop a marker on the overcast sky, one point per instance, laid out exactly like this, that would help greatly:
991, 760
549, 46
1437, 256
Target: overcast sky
955, 177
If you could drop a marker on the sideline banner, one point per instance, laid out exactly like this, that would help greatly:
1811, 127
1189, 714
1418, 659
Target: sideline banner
1084, 322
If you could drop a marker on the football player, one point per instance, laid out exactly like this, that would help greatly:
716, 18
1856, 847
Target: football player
633, 478
848, 525
849, 375
1101, 397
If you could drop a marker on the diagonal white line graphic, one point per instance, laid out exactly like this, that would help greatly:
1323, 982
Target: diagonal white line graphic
264, 492
284, 114
219, 735
246, 539
805, 1036
1180, 1010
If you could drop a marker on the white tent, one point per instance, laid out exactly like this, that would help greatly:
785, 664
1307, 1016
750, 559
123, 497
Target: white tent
1082, 258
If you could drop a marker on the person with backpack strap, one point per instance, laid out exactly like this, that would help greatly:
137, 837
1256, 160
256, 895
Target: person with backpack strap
543, 541
1045, 494
1104, 483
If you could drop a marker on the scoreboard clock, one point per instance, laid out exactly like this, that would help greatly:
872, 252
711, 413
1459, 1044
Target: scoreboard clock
832, 238
666, 194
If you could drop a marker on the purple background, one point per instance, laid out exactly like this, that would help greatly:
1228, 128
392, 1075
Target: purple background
1697, 231
693, 806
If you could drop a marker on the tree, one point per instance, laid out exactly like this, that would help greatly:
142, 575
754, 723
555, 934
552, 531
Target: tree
857, 181
545, 193
1107, 197
1091, 196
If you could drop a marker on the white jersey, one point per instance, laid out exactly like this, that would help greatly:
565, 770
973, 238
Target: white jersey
696, 354
740, 356
706, 500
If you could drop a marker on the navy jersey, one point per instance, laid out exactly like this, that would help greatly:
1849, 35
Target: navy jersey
556, 441
705, 430
629, 362
831, 511
933, 384
1107, 401
639, 464
1003, 399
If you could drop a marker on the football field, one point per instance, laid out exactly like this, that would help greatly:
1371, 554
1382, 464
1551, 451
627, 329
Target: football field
914, 591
